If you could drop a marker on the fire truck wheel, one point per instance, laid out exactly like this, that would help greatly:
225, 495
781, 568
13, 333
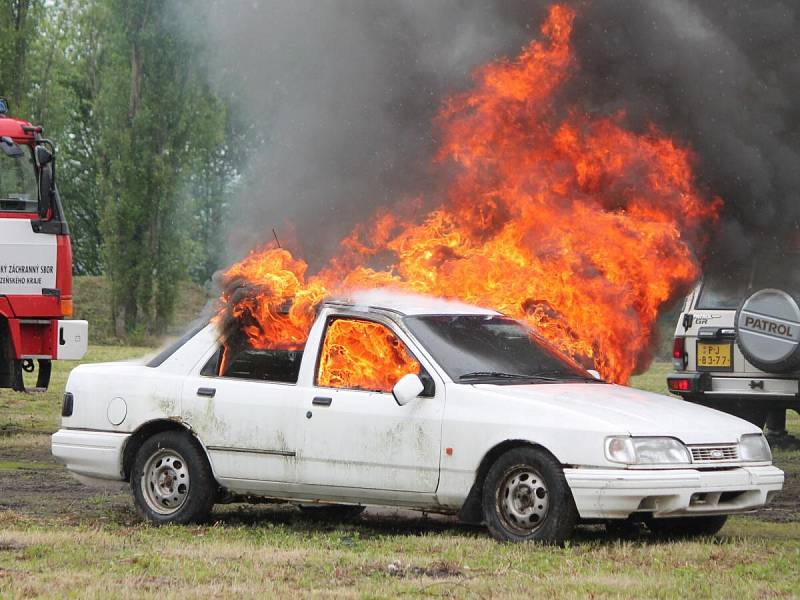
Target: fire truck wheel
768, 330
526, 498
171, 480
686, 527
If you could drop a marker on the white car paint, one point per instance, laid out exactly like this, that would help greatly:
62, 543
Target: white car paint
365, 448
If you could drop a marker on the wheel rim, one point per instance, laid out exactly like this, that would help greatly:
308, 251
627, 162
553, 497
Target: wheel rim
523, 500
165, 481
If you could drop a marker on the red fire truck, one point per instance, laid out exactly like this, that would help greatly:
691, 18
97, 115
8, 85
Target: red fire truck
35, 260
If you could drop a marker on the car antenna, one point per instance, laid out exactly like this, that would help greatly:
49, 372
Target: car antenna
277, 241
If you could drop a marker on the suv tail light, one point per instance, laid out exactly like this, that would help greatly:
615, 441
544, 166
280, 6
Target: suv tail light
679, 353
679, 385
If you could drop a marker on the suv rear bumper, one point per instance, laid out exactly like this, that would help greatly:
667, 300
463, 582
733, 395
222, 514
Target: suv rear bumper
618, 493
693, 385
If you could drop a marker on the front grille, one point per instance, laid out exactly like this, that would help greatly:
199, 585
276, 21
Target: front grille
714, 454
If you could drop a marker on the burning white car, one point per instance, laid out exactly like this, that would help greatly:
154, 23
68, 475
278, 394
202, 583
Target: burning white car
409, 402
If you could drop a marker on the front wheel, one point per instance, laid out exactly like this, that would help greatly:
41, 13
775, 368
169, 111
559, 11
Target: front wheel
686, 527
171, 480
526, 498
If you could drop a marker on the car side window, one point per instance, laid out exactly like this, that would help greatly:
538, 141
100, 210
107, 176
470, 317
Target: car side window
364, 355
281, 366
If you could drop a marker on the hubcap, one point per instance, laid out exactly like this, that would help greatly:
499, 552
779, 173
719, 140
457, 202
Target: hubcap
522, 500
165, 482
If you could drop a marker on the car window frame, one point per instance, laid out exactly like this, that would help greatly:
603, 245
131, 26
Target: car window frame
396, 331
698, 301
220, 345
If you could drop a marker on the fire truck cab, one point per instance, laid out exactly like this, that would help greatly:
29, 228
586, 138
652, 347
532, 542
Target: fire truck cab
35, 260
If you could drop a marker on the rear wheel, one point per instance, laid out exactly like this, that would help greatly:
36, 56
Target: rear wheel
527, 498
171, 480
685, 527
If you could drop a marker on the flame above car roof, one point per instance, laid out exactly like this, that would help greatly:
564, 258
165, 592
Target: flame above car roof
408, 304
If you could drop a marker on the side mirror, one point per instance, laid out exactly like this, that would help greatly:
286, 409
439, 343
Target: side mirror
45, 158
407, 388
595, 374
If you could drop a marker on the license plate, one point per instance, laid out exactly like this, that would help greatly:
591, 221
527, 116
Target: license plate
715, 356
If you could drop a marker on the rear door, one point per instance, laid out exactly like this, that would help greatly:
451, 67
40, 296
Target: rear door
354, 433
244, 410
710, 334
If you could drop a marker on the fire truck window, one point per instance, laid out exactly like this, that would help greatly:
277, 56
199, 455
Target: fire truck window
363, 355
17, 184
281, 366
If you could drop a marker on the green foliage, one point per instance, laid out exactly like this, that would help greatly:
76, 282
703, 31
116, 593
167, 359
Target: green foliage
19, 22
146, 148
92, 297
154, 107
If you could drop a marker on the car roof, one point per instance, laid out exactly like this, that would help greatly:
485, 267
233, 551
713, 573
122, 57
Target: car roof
406, 304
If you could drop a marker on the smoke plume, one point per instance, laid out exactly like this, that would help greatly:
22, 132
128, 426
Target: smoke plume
340, 96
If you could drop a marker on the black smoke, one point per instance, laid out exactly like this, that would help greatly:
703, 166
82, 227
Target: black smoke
339, 96
722, 75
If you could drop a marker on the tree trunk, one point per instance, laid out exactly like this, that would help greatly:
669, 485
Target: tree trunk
20, 10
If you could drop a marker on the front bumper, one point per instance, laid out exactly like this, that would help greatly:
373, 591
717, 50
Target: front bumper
618, 493
90, 454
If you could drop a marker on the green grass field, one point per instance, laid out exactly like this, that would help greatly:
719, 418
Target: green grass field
59, 539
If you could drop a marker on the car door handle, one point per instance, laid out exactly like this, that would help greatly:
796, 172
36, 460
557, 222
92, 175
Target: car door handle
319, 401
207, 392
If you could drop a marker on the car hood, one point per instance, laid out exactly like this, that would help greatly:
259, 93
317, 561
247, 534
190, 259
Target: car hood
620, 410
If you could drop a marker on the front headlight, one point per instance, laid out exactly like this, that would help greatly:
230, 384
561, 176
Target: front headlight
646, 451
753, 447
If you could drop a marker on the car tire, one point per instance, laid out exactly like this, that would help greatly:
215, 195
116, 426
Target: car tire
686, 527
526, 498
172, 480
331, 512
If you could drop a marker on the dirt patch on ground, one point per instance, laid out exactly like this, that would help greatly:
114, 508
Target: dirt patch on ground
35, 486
786, 506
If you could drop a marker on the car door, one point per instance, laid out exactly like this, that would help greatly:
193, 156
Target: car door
245, 413
355, 435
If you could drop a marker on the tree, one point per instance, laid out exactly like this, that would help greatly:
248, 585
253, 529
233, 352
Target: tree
154, 109
65, 65
18, 26
145, 147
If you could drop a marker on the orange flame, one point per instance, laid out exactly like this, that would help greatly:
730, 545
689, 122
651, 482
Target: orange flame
363, 355
569, 222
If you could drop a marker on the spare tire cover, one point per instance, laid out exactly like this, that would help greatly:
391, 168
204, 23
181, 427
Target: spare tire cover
768, 330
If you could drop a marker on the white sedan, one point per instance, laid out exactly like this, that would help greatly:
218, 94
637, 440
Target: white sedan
409, 402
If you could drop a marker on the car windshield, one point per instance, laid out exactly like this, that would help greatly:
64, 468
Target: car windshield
17, 183
479, 348
727, 292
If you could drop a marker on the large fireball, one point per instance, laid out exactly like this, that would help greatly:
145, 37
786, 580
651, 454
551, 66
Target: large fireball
570, 222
